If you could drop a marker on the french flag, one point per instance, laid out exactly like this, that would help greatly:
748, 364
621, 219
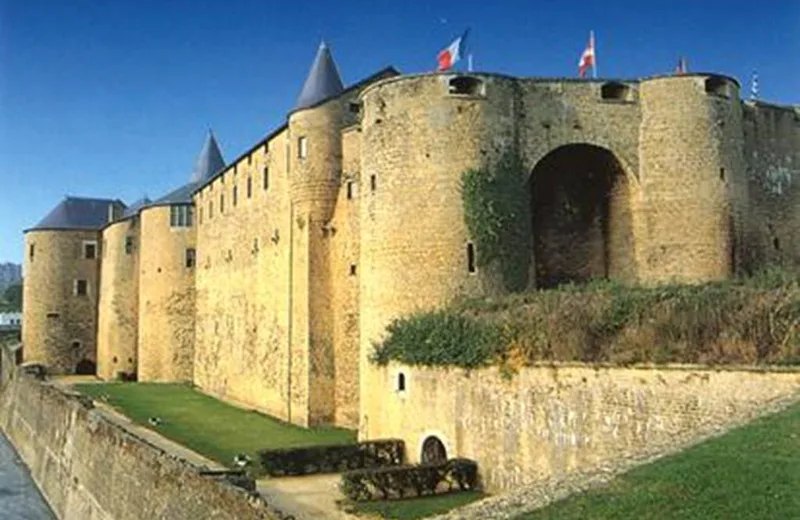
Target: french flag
448, 57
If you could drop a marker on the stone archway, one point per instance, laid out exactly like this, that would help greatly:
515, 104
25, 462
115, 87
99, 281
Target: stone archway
85, 367
582, 220
433, 451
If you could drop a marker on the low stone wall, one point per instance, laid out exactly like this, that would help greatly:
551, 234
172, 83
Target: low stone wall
549, 422
90, 468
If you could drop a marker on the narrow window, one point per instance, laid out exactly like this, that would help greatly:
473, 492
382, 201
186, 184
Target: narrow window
302, 147
210, 208
173, 216
722, 174
128, 245
373, 182
31, 251
250, 159
470, 257
189, 210
352, 269
235, 195
266, 178
200, 216
81, 287
401, 382
776, 243
221, 203
90, 250
349, 190
190, 257
249, 187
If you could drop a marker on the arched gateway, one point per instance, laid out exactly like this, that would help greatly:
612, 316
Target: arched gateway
582, 218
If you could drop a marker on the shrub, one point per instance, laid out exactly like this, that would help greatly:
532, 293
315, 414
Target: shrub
410, 481
332, 458
439, 338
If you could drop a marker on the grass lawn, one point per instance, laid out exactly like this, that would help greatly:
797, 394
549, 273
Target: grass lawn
415, 507
750, 473
206, 425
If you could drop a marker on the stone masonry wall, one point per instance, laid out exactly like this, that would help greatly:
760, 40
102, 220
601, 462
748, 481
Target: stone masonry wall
89, 468
118, 311
59, 327
166, 299
550, 421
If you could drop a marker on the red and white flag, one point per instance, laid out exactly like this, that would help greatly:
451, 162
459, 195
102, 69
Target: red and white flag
449, 56
587, 58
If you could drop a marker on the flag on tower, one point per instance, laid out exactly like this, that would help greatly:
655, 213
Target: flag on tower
587, 58
754, 86
452, 54
681, 68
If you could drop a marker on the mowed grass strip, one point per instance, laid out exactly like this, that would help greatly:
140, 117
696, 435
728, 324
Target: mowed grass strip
207, 425
749, 473
414, 508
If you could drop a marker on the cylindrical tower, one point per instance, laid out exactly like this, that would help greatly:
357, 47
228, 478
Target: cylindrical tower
419, 135
692, 176
166, 293
117, 319
60, 296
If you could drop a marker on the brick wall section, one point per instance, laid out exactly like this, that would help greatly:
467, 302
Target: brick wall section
166, 299
49, 289
86, 467
772, 153
118, 311
552, 421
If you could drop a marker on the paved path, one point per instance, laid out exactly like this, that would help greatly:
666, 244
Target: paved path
306, 498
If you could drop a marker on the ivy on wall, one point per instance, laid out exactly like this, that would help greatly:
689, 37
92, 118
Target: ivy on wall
497, 212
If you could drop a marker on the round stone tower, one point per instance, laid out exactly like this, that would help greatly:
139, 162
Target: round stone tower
61, 286
692, 176
419, 135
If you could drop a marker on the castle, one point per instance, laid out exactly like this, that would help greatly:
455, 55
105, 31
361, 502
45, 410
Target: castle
266, 280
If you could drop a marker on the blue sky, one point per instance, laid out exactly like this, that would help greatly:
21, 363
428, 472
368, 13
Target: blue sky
113, 98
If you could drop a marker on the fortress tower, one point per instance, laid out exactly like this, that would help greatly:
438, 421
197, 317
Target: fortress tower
61, 289
167, 262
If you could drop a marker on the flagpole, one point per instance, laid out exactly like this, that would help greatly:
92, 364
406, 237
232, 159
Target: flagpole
594, 55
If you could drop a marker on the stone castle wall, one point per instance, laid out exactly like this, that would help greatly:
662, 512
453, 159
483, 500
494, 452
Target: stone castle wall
118, 307
90, 468
547, 422
59, 327
166, 298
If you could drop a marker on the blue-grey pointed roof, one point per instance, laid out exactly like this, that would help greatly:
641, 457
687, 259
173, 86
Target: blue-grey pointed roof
134, 208
80, 213
182, 195
209, 161
323, 80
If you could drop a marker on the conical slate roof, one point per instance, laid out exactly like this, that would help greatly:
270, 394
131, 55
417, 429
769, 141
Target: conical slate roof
209, 161
80, 213
323, 80
134, 208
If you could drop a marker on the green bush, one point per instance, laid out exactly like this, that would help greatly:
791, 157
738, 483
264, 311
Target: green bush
410, 481
332, 458
439, 338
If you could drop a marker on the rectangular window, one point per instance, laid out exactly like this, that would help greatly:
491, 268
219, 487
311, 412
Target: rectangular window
470, 257
250, 159
200, 216
190, 257
249, 187
90, 250
81, 287
302, 147
180, 215
128, 245
349, 190
31, 251
266, 178
221, 203
210, 208
235, 195
373, 182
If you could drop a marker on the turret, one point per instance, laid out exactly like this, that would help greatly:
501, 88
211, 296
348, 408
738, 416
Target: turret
166, 276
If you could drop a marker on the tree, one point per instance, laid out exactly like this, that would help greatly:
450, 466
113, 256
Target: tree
13, 296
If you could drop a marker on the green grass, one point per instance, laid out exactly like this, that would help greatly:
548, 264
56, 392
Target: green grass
206, 425
750, 473
415, 507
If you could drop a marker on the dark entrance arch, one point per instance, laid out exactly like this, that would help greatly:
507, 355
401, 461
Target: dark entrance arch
582, 227
85, 367
433, 451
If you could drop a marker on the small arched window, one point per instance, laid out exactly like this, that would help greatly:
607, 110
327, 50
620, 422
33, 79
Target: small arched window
614, 91
466, 86
717, 86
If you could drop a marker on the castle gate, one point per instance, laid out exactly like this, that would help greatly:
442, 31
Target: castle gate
582, 226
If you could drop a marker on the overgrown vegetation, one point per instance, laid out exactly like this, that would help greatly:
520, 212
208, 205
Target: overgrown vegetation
497, 212
750, 473
749, 321
332, 458
206, 425
11, 298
